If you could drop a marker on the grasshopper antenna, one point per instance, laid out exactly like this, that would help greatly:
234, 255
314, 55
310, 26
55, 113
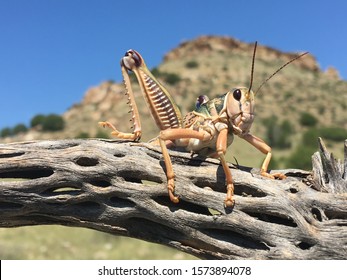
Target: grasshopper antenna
252, 69
278, 70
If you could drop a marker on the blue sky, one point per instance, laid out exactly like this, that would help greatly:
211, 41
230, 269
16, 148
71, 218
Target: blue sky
52, 51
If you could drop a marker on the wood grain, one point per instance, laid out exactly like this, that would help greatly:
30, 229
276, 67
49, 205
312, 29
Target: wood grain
120, 188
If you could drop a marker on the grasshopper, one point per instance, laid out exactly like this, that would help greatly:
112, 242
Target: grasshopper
207, 131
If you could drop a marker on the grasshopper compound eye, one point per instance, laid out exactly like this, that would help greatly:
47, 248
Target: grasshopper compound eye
237, 94
202, 99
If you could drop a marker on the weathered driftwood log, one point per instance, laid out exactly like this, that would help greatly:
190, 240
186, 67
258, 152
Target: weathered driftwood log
120, 188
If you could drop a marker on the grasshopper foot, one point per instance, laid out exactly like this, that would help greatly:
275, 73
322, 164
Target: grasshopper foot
229, 201
111, 126
279, 176
171, 188
127, 136
106, 124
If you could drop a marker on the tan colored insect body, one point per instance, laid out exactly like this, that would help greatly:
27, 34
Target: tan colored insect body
208, 130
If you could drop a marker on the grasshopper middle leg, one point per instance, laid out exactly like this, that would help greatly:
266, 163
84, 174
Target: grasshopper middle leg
186, 134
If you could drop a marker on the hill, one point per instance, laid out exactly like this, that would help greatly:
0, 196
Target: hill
212, 65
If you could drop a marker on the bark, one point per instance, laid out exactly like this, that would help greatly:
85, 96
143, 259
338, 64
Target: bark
120, 188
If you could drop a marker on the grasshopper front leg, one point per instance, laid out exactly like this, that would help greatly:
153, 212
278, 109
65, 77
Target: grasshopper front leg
265, 149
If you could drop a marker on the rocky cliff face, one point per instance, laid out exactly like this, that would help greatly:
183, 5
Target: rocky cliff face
206, 45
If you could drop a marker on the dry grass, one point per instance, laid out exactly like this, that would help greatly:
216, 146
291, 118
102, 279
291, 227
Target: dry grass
65, 243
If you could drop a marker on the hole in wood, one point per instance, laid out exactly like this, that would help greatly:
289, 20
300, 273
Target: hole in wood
27, 173
88, 204
235, 238
63, 190
244, 190
10, 155
334, 214
64, 145
87, 161
293, 190
120, 202
270, 218
119, 155
219, 185
195, 161
316, 214
203, 182
86, 209
131, 179
100, 183
304, 245
130, 176
150, 182
142, 228
4, 205
182, 205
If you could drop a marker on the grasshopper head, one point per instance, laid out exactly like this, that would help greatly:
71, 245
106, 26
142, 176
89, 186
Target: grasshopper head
131, 60
240, 108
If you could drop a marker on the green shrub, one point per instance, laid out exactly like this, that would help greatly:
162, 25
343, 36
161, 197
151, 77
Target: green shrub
172, 78
6, 132
306, 119
37, 120
278, 135
286, 131
103, 134
192, 64
274, 163
336, 134
53, 122
321, 109
155, 71
270, 124
301, 158
288, 95
310, 138
83, 135
19, 128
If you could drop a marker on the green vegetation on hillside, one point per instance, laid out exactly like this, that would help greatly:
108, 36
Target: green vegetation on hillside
51, 122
